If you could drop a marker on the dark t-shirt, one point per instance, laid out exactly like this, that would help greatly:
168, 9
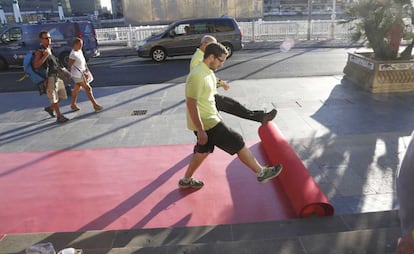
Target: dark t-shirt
49, 64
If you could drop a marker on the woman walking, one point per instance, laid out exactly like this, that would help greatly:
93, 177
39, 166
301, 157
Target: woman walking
81, 75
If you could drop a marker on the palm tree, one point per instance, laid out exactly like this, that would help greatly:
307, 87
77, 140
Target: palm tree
380, 22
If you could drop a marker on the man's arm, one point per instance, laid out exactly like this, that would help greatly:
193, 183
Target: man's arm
40, 58
223, 84
195, 118
70, 64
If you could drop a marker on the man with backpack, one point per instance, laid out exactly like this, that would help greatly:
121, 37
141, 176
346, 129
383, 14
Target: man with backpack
55, 88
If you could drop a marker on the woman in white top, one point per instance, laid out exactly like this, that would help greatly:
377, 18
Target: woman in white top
79, 70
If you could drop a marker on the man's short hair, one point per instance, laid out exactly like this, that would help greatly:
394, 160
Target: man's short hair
208, 39
42, 33
217, 49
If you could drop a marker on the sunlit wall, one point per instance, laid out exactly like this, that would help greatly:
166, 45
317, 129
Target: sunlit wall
165, 11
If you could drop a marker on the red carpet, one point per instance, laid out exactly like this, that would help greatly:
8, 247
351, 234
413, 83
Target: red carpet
303, 192
124, 188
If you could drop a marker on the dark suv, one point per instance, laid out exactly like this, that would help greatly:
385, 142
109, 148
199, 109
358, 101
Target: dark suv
17, 40
183, 37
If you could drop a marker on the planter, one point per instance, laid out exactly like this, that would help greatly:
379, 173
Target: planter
380, 76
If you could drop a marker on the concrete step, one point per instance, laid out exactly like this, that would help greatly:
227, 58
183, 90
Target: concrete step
358, 233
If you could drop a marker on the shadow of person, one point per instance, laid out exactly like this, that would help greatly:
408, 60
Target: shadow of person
254, 201
131, 202
356, 158
168, 202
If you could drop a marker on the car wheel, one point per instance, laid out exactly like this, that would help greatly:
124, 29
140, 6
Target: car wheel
229, 48
158, 54
3, 64
64, 58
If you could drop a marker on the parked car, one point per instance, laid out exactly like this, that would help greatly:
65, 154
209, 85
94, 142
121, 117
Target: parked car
183, 37
17, 40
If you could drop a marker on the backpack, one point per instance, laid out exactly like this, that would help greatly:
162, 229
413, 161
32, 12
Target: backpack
37, 76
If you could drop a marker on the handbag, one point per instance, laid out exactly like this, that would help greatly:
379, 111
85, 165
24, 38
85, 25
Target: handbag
64, 74
87, 75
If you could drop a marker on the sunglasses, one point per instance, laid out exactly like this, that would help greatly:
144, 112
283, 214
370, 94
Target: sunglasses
46, 38
221, 60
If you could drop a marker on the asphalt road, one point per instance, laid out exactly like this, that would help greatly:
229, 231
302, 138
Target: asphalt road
245, 64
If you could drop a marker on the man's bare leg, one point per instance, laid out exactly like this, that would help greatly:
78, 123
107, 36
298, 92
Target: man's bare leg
263, 174
188, 181
195, 163
249, 160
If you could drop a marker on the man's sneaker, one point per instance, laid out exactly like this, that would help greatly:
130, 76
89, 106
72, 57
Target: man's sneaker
50, 111
191, 183
269, 116
62, 119
268, 173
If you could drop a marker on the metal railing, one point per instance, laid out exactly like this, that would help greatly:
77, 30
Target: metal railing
252, 31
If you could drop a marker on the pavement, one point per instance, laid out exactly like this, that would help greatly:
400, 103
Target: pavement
351, 142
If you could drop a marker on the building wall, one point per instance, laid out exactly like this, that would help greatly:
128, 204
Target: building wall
85, 6
166, 11
36, 6
117, 10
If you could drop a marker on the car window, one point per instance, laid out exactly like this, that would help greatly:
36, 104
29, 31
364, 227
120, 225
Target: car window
14, 34
203, 27
183, 29
223, 25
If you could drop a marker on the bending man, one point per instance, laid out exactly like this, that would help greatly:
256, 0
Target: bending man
203, 118
227, 104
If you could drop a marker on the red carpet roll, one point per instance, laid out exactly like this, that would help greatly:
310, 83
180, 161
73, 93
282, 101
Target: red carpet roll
303, 192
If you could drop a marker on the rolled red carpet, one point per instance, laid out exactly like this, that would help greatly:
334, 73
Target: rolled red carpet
303, 192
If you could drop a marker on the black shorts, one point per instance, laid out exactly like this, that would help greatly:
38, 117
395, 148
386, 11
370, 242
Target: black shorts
224, 138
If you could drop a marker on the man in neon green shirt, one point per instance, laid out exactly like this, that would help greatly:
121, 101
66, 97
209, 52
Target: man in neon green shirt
203, 118
227, 104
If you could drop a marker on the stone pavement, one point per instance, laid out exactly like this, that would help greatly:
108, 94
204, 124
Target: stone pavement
350, 140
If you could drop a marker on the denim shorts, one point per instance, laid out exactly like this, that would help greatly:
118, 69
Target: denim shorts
223, 137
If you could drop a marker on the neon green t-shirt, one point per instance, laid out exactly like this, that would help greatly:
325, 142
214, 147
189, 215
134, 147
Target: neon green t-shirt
201, 86
197, 58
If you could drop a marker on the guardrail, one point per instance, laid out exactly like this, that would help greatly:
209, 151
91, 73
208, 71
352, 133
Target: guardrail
252, 31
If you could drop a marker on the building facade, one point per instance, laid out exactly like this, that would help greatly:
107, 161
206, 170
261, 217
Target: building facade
293, 7
39, 6
165, 11
117, 10
84, 7
70, 7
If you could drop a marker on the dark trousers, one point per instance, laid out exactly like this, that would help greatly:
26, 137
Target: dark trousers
228, 105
